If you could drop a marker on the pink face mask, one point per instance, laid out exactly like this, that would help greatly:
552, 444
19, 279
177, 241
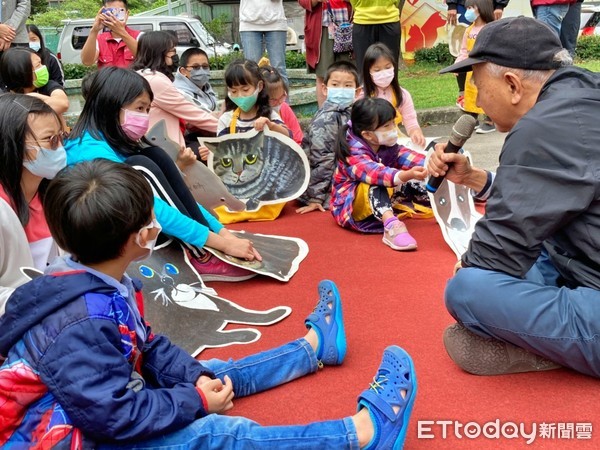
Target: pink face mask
135, 124
383, 78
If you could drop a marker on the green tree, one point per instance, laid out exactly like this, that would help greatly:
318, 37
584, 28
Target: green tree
82, 9
39, 6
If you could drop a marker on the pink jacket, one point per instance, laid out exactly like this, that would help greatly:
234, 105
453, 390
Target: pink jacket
171, 105
291, 121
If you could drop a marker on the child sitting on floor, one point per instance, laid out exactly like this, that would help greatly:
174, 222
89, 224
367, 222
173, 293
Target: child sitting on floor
247, 103
369, 163
84, 370
380, 78
278, 92
339, 88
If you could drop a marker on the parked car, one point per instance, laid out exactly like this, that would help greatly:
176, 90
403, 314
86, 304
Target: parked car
590, 18
190, 33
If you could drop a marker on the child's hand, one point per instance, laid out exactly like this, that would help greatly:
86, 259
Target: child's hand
203, 151
219, 395
241, 248
185, 157
414, 173
259, 124
417, 137
310, 207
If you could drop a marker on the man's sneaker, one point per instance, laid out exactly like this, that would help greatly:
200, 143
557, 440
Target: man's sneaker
211, 268
460, 102
483, 356
397, 237
327, 320
390, 399
485, 128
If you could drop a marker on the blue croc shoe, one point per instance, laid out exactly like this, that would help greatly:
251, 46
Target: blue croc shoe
328, 322
396, 374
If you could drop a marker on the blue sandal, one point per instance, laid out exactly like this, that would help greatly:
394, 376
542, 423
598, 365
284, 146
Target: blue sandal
395, 374
328, 322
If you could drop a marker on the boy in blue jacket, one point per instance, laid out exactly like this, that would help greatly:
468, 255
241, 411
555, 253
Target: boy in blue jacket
83, 369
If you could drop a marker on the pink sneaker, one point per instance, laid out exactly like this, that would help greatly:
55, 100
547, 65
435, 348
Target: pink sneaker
396, 236
213, 269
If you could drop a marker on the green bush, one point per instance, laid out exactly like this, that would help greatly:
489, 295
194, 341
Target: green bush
76, 71
588, 47
293, 60
435, 55
220, 62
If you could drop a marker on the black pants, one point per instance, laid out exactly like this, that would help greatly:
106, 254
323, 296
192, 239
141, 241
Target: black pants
169, 185
380, 201
569, 28
364, 36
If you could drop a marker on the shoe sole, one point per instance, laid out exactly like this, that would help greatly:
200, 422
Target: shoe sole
340, 337
227, 278
395, 247
482, 356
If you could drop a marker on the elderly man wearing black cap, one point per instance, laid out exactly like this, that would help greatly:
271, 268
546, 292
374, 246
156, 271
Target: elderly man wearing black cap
527, 295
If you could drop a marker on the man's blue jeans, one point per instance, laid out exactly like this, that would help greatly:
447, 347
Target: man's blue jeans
252, 43
551, 15
559, 323
250, 375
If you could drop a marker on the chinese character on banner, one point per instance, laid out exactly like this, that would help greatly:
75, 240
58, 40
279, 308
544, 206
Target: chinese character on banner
583, 430
566, 430
547, 430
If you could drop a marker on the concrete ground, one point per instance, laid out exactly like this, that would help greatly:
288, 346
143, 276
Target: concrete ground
484, 148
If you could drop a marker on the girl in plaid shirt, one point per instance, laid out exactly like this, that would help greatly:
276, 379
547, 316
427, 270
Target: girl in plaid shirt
369, 164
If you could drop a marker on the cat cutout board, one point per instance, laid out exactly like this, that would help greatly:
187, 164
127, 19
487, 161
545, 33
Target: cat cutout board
259, 167
178, 305
455, 212
281, 255
206, 188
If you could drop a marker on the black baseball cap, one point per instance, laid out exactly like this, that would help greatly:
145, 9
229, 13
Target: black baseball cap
515, 42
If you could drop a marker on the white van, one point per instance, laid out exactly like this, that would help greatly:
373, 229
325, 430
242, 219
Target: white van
190, 33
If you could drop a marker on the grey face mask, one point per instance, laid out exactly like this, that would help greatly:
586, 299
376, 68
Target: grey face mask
200, 77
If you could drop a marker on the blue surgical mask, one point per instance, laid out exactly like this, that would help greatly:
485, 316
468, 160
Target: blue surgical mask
340, 96
200, 77
35, 45
48, 162
470, 15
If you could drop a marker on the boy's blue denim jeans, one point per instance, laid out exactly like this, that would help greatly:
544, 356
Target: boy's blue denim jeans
534, 313
250, 375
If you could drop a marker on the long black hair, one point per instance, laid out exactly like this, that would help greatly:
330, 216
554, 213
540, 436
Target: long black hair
16, 69
14, 129
153, 47
111, 89
373, 53
244, 71
368, 114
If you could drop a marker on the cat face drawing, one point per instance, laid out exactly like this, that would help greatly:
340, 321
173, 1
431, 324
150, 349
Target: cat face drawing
179, 305
259, 167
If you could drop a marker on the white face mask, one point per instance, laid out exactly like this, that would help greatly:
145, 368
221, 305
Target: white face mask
47, 162
387, 138
149, 243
